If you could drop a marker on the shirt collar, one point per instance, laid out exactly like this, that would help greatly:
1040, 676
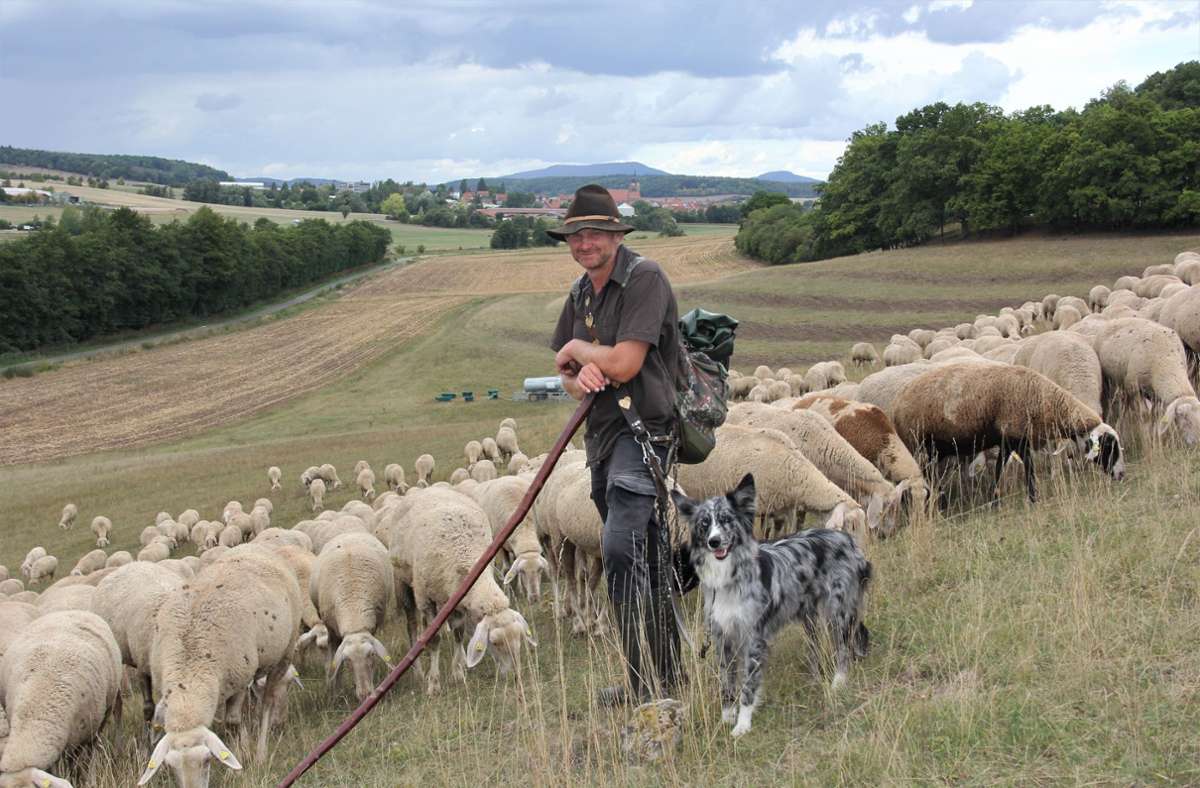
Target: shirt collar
620, 274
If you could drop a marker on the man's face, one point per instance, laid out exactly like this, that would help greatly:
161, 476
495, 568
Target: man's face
594, 249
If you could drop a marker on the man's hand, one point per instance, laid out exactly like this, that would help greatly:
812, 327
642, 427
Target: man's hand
566, 361
590, 378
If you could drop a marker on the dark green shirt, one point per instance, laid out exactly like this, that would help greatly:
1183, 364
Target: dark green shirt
636, 303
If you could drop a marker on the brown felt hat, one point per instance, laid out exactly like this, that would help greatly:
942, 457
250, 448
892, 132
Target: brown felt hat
592, 207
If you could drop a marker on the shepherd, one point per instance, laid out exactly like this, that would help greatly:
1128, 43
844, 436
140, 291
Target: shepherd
618, 336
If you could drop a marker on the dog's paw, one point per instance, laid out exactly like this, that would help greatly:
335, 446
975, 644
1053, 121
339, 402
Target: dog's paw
729, 715
741, 729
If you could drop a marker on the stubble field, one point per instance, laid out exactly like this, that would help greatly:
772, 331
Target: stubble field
1043, 645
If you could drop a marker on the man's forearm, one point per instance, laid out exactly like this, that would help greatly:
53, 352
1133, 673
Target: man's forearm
620, 364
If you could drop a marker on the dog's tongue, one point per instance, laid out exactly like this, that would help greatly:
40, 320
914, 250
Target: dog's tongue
720, 554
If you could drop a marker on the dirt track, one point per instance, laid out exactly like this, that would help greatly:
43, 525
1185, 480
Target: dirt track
178, 390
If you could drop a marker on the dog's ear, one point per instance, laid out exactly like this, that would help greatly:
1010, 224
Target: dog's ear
743, 497
685, 505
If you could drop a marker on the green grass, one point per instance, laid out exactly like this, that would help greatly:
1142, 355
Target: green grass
1027, 645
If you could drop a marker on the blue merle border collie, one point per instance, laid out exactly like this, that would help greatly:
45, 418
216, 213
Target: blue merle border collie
752, 590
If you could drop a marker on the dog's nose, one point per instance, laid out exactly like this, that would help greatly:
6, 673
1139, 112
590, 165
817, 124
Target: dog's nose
714, 543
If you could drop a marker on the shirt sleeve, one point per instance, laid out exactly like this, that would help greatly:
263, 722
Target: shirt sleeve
647, 298
564, 332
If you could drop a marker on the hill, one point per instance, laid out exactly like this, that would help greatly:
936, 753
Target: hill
785, 176
153, 169
657, 185
289, 181
627, 168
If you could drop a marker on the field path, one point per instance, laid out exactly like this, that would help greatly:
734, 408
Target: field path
178, 390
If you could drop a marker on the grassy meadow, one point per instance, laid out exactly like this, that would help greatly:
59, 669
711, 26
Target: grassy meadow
1052, 644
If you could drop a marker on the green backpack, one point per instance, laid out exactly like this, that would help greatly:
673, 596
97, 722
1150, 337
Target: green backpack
701, 385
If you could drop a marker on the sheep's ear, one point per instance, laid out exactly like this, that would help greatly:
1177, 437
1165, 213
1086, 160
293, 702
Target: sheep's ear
1164, 423
156, 760
335, 664
513, 570
222, 753
837, 518
478, 645
380, 650
976, 465
306, 639
874, 511
526, 630
543, 564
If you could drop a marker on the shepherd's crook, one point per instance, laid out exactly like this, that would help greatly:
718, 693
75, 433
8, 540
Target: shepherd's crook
484, 561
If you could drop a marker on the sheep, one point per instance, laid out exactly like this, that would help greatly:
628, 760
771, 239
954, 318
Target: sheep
1152, 309
1151, 286
824, 374
1049, 303
432, 549
922, 336
863, 354
30, 557
1181, 314
240, 618
509, 422
188, 517
359, 466
156, 551
783, 373
310, 473
365, 479
964, 331
1009, 326
990, 343
516, 463
259, 519
60, 679
787, 482
778, 390
69, 513
321, 531
1098, 297
330, 477
424, 469
506, 441
472, 452
966, 408
1188, 269
490, 449
284, 536
898, 354
1163, 268
128, 600
460, 475
1143, 359
11, 586
881, 388
833, 456
393, 477
1124, 298
762, 372
483, 471
273, 477
499, 499
575, 535
118, 559
869, 430
316, 493
231, 508
360, 510
1173, 289
14, 616
350, 584
740, 388
101, 527
43, 569
91, 562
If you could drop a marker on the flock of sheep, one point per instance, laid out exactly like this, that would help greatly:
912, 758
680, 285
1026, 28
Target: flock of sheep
209, 636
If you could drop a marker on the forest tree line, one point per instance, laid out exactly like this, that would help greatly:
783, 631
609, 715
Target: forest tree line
95, 273
1129, 160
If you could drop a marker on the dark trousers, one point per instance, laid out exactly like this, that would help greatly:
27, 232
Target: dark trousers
635, 568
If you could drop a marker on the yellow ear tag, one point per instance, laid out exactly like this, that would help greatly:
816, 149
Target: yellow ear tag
151, 765
224, 755
479, 647
387, 659
45, 784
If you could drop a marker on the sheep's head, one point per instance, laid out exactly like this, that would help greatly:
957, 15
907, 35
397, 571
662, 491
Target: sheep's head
851, 518
32, 778
318, 635
892, 503
1184, 415
1103, 446
359, 648
500, 633
529, 566
189, 754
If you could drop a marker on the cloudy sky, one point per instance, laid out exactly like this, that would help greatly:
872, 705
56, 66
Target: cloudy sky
436, 90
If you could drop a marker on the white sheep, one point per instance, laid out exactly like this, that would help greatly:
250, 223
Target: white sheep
863, 354
69, 513
322, 531
310, 473
350, 584
1181, 314
506, 442
239, 619
895, 355
60, 678
490, 450
101, 528
833, 456
824, 374
231, 535
516, 463
393, 477
881, 388
274, 474
1067, 359
432, 548
118, 559
284, 536
359, 466
459, 475
365, 479
1151, 286
14, 616
499, 499
43, 569
1098, 297
158, 550
423, 467
316, 493
786, 481
472, 452
260, 520
762, 372
10, 587
30, 557
90, 562
330, 477
483, 471
1049, 304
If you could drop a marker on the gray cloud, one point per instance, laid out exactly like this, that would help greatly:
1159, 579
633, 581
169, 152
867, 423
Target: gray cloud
215, 102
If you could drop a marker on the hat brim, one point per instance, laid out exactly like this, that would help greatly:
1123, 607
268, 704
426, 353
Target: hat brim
561, 232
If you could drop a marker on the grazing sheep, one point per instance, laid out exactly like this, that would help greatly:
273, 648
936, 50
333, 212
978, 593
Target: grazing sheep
239, 619
1098, 297
881, 388
322, 531
1173, 289
260, 520
824, 374
128, 600
740, 388
1181, 314
1143, 359
1049, 305
472, 452
285, 536
158, 550
69, 513
1067, 359
101, 528
762, 372
490, 450
393, 477
1188, 268
118, 559
869, 430
509, 422
1162, 268
778, 390
1124, 298
330, 477
91, 562
964, 409
506, 441
483, 471
863, 354
432, 549
273, 476
310, 473
30, 557
788, 483
1151, 286
11, 586
350, 584
499, 499
316, 493
14, 616
964, 331
516, 463
460, 475
60, 680
359, 466
232, 508
895, 355
424, 469
43, 569
833, 456
365, 479
922, 336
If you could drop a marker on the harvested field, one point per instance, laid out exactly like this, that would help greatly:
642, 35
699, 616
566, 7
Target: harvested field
183, 389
